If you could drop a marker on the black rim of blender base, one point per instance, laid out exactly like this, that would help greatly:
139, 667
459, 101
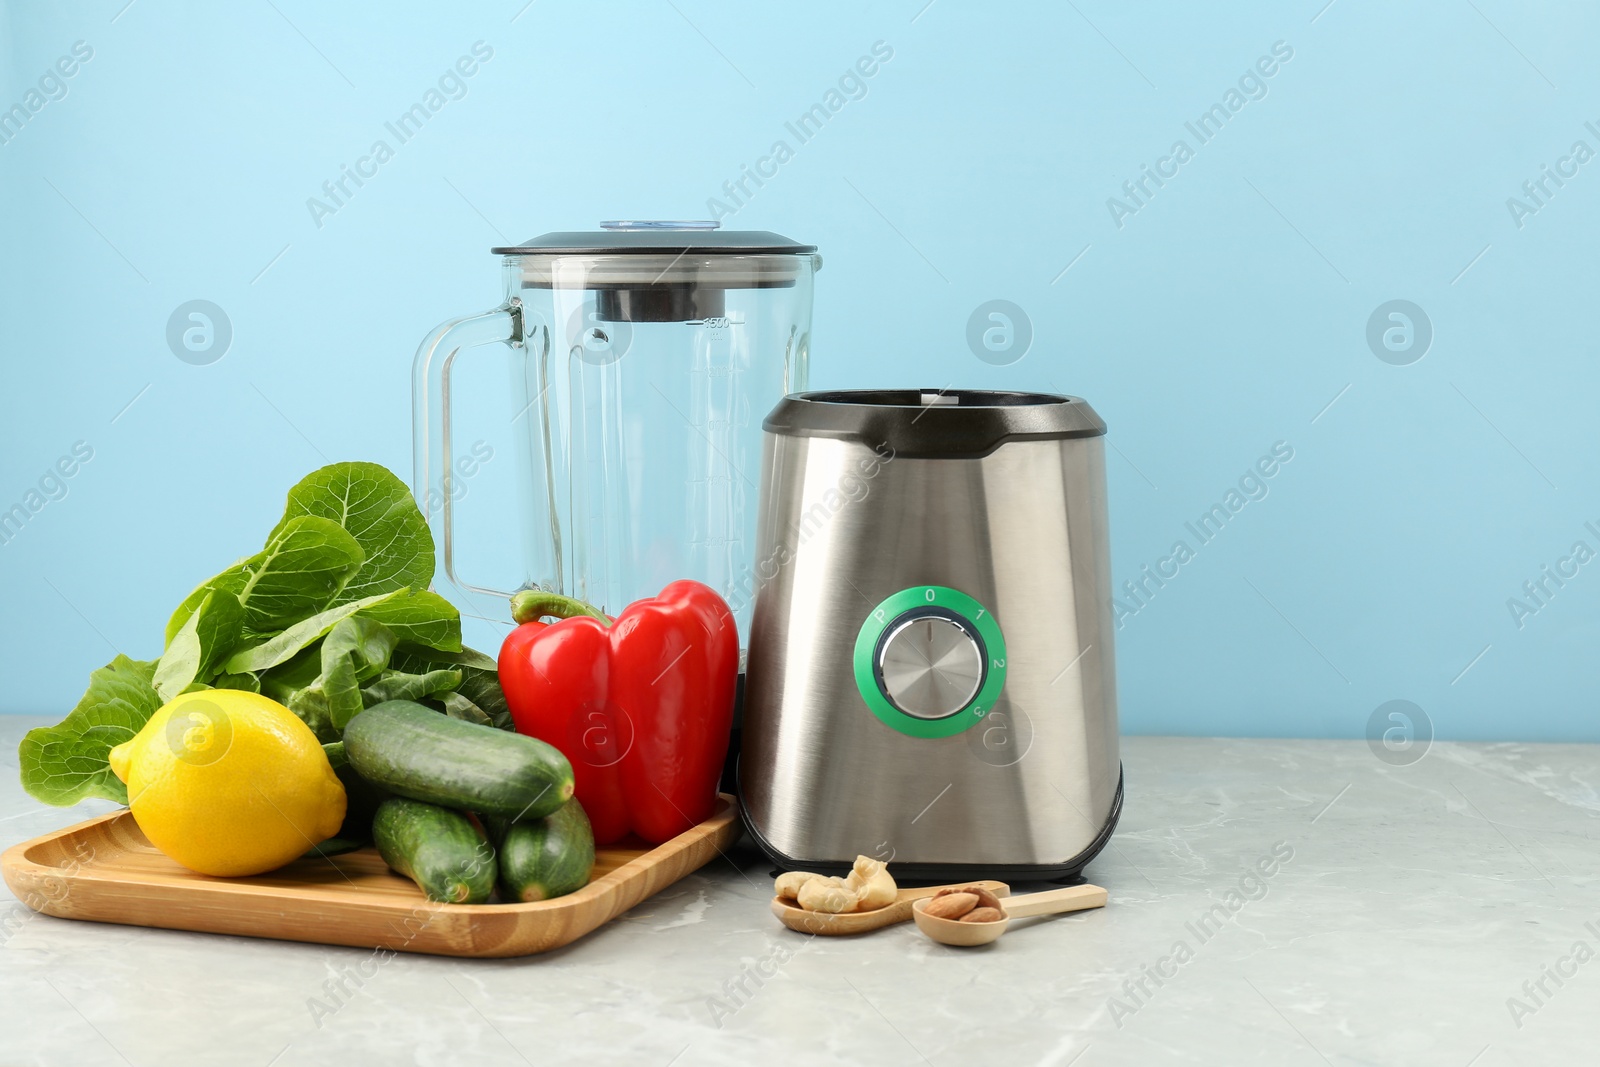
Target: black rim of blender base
913, 874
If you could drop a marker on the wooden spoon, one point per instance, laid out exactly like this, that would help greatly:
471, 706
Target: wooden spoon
859, 922
1050, 902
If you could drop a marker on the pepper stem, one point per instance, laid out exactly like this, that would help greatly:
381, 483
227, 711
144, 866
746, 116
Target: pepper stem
531, 605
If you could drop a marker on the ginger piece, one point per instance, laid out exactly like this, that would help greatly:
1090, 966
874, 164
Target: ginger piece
872, 884
827, 894
787, 887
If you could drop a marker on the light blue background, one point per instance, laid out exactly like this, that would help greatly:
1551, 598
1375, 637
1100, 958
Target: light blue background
1223, 317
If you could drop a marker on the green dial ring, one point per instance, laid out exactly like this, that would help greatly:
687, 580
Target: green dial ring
969, 611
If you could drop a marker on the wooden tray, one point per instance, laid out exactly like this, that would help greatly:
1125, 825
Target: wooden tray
105, 870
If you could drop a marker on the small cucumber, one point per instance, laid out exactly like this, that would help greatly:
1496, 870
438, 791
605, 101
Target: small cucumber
362, 800
548, 857
416, 752
441, 850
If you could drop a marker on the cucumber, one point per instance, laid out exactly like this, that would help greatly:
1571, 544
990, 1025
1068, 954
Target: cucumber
413, 751
362, 803
548, 857
441, 850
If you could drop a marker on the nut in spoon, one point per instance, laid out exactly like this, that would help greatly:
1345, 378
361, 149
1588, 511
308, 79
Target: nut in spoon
859, 922
1050, 902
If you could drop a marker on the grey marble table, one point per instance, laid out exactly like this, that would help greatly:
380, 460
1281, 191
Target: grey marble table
1437, 913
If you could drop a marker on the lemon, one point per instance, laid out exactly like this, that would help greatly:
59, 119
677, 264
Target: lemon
229, 783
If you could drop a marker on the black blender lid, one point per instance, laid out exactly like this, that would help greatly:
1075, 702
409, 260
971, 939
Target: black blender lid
934, 423
627, 237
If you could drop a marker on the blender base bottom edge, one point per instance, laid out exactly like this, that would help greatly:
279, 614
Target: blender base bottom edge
910, 874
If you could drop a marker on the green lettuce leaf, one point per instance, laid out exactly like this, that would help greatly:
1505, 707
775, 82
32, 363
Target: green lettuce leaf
206, 637
284, 646
482, 687
398, 685
459, 707
249, 683
420, 618
307, 562
419, 658
355, 651
379, 512
66, 763
480, 681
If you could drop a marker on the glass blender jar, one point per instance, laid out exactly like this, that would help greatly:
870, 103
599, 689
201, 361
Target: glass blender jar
643, 359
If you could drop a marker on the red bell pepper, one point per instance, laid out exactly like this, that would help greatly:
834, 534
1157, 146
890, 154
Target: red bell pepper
642, 707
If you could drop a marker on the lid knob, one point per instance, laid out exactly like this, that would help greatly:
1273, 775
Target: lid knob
660, 224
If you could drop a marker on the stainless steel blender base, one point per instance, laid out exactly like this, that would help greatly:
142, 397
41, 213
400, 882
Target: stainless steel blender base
931, 670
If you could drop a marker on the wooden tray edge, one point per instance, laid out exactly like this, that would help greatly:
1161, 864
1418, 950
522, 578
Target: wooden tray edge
481, 930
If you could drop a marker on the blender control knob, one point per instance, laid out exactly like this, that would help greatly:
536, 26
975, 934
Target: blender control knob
931, 666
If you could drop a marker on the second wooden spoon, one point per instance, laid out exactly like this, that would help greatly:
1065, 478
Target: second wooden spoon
1051, 902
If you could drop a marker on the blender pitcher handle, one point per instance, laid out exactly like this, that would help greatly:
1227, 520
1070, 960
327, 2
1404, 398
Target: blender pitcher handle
432, 445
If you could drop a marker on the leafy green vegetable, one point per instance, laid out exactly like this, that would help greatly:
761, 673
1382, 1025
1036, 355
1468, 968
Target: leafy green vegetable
398, 685
379, 512
482, 686
355, 651
333, 615
471, 657
298, 673
480, 682
459, 707
249, 683
420, 618
65, 763
199, 643
283, 646
418, 658
365, 644
306, 563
